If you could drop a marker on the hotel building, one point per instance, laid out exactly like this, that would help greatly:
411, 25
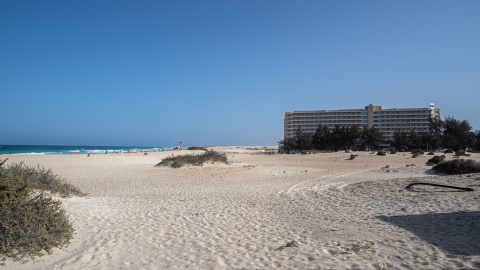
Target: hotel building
387, 121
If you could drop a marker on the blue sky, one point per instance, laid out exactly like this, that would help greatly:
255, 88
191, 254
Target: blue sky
224, 73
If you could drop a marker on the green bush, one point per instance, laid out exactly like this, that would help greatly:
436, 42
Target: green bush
31, 222
195, 160
41, 179
457, 166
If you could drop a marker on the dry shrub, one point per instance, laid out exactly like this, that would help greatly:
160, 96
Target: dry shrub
197, 148
31, 222
460, 153
457, 166
39, 178
381, 153
449, 151
194, 160
418, 151
435, 160
393, 152
431, 153
352, 156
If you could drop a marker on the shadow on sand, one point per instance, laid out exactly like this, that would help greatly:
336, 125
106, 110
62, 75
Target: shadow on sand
455, 233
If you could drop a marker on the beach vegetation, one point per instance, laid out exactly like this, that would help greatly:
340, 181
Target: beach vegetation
321, 138
303, 140
457, 166
460, 153
292, 243
39, 178
449, 133
476, 141
32, 223
287, 145
335, 139
418, 151
381, 153
413, 140
339, 251
193, 160
197, 148
457, 134
353, 247
371, 138
384, 266
435, 160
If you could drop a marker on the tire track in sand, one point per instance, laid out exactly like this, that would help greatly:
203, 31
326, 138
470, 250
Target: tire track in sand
326, 180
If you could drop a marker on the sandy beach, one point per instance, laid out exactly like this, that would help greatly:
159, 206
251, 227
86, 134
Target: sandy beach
314, 211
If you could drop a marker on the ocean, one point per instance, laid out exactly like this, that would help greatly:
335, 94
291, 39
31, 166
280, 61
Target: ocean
73, 150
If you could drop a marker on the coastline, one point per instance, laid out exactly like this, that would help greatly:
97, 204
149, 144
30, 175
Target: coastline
75, 149
241, 215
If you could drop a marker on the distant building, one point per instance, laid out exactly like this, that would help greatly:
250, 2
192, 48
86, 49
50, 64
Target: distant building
387, 121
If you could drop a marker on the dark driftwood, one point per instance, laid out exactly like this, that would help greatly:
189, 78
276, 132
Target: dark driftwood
438, 185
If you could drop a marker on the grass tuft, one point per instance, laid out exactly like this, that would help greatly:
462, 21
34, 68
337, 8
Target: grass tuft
194, 160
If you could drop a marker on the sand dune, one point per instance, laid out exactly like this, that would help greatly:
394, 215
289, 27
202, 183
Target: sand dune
340, 213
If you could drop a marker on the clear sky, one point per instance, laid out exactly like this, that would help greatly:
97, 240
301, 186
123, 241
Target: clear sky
153, 73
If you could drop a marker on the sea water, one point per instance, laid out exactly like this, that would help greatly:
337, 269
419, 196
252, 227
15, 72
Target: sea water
69, 150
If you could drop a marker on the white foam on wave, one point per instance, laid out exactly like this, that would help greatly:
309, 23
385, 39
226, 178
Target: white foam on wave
30, 153
97, 151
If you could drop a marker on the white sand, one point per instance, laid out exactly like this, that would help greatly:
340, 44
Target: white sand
137, 216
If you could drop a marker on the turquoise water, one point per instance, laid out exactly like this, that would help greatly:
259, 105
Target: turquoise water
69, 150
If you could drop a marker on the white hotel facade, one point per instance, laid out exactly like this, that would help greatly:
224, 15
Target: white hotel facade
387, 121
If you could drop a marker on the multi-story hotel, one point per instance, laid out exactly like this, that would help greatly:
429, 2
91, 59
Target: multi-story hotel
387, 121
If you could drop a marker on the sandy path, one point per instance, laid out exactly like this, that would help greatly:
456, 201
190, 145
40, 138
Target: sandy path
137, 216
